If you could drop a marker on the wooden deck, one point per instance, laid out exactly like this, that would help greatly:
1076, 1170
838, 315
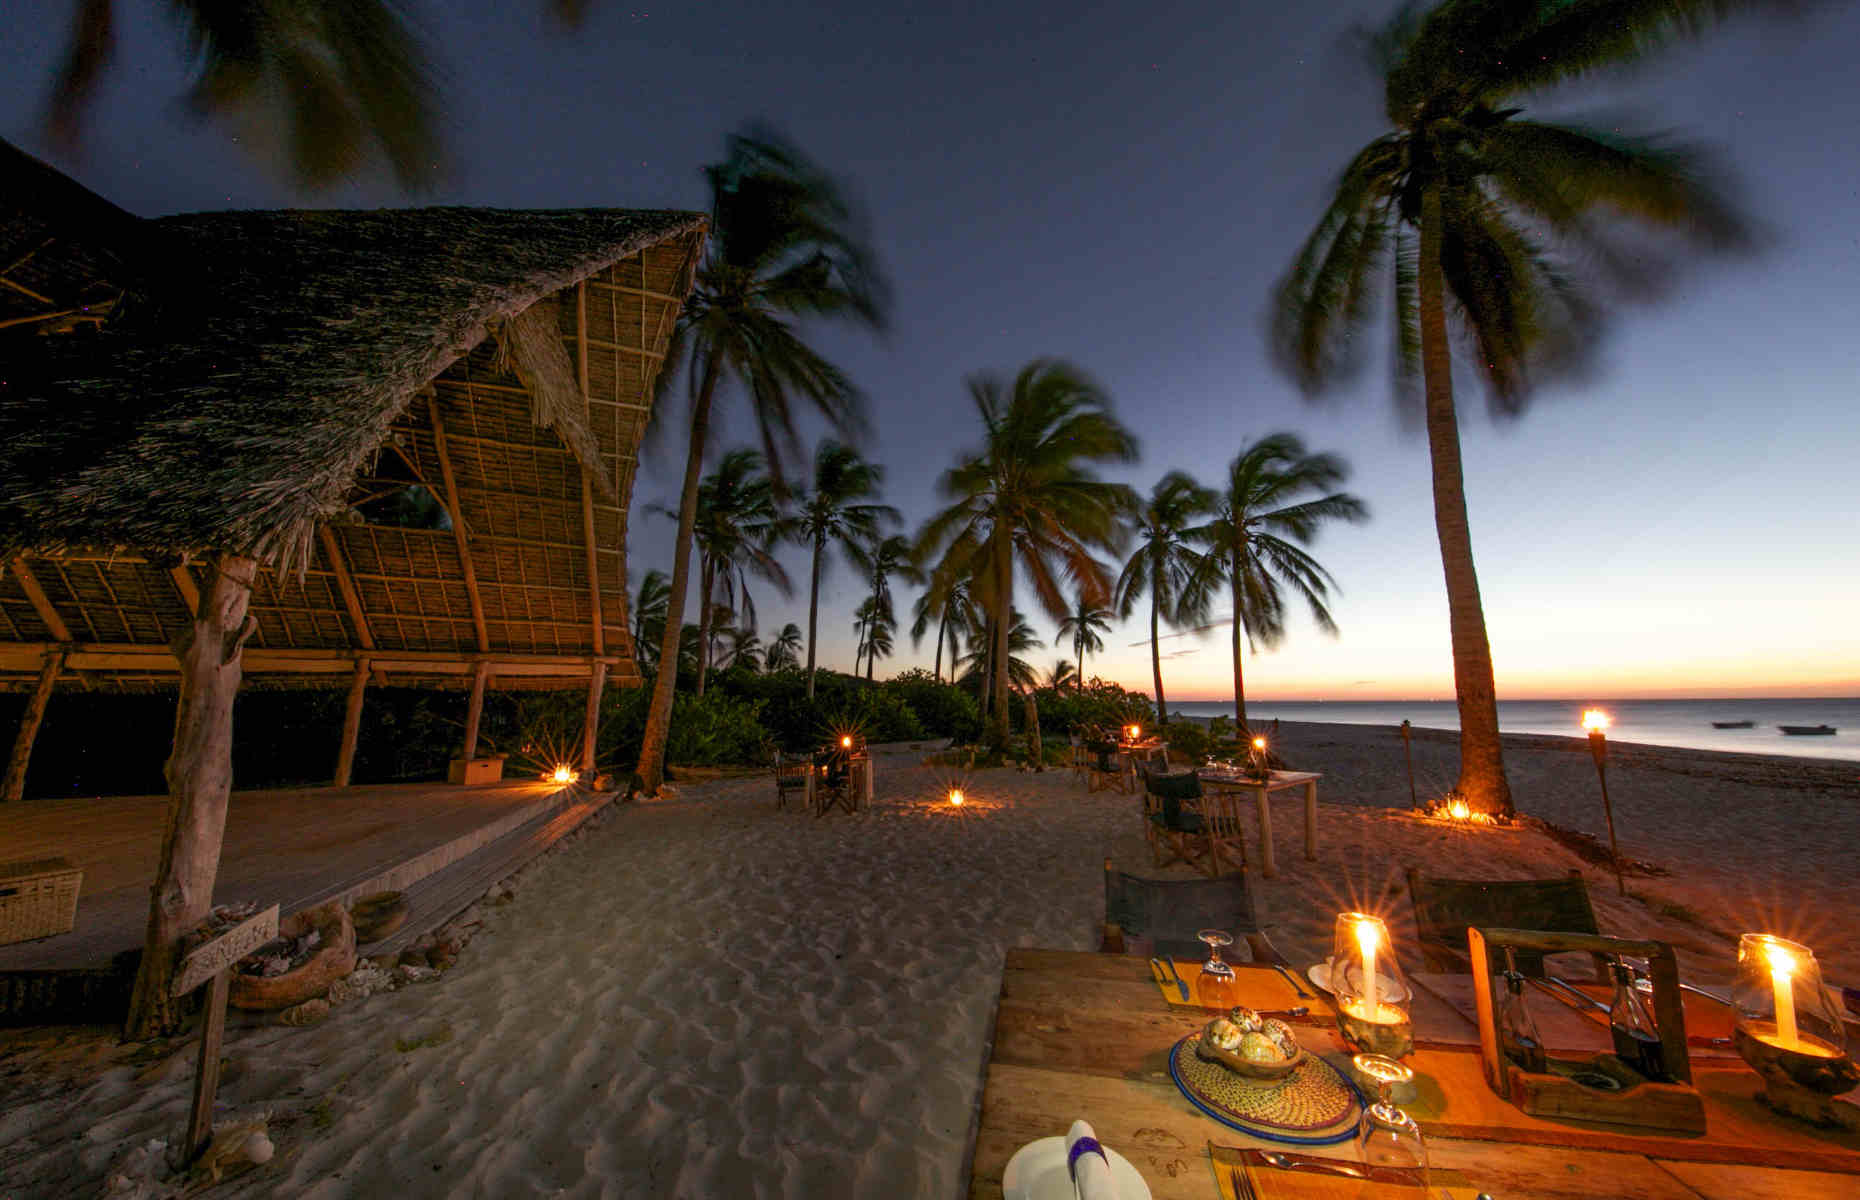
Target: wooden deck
295, 847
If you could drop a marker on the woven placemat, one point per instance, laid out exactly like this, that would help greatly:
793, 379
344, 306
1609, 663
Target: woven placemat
1315, 1105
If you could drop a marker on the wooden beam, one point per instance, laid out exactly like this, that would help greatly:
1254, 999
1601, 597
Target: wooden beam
591, 728
474, 709
352, 601
40, 604
351, 724
15, 786
587, 485
184, 584
633, 291
23, 290
623, 348
458, 523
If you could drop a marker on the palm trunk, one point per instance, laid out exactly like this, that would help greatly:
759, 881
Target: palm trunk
813, 615
1004, 604
941, 627
1036, 750
1078, 680
659, 716
707, 574
1482, 782
987, 688
1239, 670
199, 774
1162, 711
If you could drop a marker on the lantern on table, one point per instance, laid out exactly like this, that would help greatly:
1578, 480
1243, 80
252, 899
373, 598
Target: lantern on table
1787, 1029
1372, 1000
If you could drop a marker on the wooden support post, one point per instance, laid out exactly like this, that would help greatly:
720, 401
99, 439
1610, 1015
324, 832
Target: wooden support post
15, 786
592, 727
199, 772
351, 723
212, 963
587, 485
459, 537
474, 709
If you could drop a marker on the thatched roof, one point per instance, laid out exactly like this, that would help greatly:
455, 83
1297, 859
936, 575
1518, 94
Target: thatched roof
66, 253
233, 404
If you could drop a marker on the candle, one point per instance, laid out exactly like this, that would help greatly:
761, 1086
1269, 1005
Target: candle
1135, 731
1366, 938
1782, 969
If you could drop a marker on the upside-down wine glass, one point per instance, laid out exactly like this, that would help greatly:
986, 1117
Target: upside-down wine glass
1216, 938
1387, 1136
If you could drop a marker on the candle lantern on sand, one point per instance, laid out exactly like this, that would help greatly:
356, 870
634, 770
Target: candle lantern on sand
1372, 999
1596, 722
1787, 1029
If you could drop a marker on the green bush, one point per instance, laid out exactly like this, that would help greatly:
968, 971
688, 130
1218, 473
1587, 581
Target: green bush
1098, 703
884, 717
1190, 739
715, 729
944, 709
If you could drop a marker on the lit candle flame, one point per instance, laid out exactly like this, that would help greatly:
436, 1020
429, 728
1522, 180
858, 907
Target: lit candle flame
955, 797
1135, 732
1459, 810
846, 741
564, 775
1368, 936
1595, 720
1782, 985
1259, 743
1781, 961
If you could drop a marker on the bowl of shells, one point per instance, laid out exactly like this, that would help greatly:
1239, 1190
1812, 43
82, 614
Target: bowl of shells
1251, 1045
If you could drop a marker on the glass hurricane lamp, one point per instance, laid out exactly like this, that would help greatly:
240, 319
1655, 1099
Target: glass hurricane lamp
1372, 1009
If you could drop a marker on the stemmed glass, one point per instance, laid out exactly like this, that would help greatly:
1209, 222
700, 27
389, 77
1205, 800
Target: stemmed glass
1387, 1136
1216, 938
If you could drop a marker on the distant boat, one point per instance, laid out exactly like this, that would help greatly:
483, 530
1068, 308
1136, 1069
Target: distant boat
1807, 730
1732, 724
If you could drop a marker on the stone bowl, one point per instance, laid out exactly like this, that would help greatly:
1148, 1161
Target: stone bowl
334, 958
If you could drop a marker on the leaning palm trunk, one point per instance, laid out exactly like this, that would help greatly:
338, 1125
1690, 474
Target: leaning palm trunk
1004, 604
1162, 712
942, 627
706, 580
1482, 782
1239, 669
813, 616
659, 717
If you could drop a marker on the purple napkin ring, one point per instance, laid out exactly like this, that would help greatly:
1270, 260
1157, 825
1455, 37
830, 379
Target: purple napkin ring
1084, 1145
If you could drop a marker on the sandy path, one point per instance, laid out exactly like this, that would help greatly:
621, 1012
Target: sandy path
709, 997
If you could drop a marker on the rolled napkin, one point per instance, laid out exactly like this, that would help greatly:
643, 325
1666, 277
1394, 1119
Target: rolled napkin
1087, 1164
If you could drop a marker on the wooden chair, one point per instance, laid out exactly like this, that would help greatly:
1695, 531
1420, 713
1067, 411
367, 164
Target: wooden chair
1172, 819
1445, 908
1103, 770
1080, 761
790, 778
833, 783
1162, 916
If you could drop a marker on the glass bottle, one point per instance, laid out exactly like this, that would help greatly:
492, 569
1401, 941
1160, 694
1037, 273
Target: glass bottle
1636, 1042
1517, 1029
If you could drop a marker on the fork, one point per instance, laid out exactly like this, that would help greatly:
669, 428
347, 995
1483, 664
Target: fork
1243, 1187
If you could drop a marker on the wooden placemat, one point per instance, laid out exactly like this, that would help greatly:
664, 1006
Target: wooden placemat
1315, 1105
1271, 1183
1254, 984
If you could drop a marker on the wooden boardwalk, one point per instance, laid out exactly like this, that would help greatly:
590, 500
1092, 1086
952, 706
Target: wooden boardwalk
294, 847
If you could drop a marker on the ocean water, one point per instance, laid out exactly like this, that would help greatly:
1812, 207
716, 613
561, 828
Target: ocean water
1661, 722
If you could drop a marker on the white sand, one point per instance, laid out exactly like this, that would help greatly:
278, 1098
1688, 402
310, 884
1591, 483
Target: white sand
709, 997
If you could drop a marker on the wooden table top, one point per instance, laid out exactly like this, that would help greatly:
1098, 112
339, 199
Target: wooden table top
1280, 779
1082, 1035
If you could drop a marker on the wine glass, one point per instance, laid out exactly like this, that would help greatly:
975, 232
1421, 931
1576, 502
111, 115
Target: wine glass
1387, 1136
1216, 938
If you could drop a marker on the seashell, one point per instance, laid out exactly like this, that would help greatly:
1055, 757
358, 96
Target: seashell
1248, 1020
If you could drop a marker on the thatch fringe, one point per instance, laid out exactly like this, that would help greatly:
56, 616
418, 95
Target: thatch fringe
531, 342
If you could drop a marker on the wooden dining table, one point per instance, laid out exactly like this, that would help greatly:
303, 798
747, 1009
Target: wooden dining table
1262, 789
1079, 1035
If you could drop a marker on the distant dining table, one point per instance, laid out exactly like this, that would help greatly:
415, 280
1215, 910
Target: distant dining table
1079, 1035
1223, 779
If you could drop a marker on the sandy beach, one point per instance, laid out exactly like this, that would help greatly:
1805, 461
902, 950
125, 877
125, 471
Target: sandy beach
705, 996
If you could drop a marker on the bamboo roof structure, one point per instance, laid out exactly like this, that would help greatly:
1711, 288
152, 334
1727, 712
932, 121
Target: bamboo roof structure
257, 383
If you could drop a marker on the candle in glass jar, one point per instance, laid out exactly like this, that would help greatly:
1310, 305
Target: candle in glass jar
1782, 970
1366, 938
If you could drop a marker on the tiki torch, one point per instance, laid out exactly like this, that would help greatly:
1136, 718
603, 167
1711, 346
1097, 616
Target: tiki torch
1407, 752
1596, 722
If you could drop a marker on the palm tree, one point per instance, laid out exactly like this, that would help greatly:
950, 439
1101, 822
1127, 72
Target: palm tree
1029, 496
1020, 640
1083, 625
954, 613
882, 559
784, 653
742, 649
649, 610
333, 82
1165, 567
837, 511
1255, 537
783, 244
874, 627
736, 529
1463, 197
1062, 675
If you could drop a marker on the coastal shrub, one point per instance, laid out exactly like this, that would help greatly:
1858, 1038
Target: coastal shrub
715, 729
944, 709
1098, 703
885, 717
1189, 739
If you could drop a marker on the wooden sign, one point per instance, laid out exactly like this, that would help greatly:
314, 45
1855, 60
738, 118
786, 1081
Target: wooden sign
208, 959
212, 962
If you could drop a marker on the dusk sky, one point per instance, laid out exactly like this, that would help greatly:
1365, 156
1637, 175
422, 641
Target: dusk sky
1121, 185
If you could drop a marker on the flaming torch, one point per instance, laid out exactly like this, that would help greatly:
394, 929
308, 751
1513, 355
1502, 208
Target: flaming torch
1596, 722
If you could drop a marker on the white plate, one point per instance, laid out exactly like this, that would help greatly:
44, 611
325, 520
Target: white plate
1038, 1172
1394, 993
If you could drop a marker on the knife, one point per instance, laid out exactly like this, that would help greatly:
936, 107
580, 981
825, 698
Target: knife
1180, 986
